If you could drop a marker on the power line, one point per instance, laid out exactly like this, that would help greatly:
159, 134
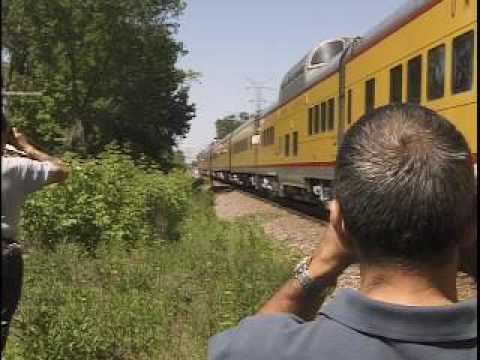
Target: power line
7, 94
22, 93
258, 89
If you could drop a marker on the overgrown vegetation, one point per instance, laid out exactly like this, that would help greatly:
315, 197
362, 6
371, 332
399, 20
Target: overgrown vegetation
110, 198
103, 283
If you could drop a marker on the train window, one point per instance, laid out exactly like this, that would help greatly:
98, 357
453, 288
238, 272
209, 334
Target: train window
295, 144
349, 106
287, 145
240, 146
436, 73
331, 114
396, 84
316, 122
414, 81
370, 95
462, 66
327, 52
310, 121
271, 136
324, 116
244, 145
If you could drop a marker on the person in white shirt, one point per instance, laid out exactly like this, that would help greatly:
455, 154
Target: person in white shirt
20, 177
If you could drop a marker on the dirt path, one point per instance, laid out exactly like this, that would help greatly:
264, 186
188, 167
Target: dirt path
299, 231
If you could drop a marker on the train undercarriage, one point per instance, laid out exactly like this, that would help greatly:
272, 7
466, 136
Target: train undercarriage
308, 190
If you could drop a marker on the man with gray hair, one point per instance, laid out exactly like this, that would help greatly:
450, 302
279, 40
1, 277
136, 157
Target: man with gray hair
20, 177
405, 210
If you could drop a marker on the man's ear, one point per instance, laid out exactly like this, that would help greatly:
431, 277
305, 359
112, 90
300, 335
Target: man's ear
338, 223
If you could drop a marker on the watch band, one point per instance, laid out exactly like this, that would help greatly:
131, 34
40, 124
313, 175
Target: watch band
302, 274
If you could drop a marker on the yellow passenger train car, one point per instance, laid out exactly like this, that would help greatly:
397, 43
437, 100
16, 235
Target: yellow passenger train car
424, 53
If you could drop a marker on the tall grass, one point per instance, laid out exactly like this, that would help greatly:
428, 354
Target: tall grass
156, 300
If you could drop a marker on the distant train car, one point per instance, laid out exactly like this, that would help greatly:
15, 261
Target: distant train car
220, 160
424, 53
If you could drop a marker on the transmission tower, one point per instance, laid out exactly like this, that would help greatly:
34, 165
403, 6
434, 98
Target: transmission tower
258, 99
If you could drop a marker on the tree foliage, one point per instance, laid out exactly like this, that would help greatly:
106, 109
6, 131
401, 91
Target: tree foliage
106, 69
229, 123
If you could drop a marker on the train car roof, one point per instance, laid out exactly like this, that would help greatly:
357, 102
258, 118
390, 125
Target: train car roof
245, 125
392, 23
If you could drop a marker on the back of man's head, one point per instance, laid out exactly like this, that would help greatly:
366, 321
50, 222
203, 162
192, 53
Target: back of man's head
405, 185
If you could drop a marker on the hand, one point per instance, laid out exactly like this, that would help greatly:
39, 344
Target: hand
334, 254
19, 140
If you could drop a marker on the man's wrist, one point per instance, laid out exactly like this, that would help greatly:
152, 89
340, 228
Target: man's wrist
27, 148
30, 151
36, 154
313, 276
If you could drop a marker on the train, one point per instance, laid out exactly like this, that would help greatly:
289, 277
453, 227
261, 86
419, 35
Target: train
424, 53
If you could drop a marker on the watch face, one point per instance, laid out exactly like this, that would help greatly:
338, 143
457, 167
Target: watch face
300, 267
301, 273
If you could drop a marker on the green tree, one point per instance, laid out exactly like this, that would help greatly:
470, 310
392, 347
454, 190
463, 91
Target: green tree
179, 159
107, 70
229, 123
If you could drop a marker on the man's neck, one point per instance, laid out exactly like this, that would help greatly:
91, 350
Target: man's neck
426, 287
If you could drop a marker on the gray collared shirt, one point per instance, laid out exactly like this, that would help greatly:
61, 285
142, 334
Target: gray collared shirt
355, 327
20, 177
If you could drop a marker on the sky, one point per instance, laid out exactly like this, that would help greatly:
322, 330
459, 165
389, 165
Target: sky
234, 42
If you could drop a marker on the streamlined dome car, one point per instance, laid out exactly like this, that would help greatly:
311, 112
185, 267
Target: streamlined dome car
310, 65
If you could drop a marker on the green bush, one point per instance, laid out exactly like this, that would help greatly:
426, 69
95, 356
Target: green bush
108, 199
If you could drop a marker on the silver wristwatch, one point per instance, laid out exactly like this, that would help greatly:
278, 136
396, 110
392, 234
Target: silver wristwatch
302, 274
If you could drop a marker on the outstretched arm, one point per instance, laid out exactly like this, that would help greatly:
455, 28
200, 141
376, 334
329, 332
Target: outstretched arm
57, 170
